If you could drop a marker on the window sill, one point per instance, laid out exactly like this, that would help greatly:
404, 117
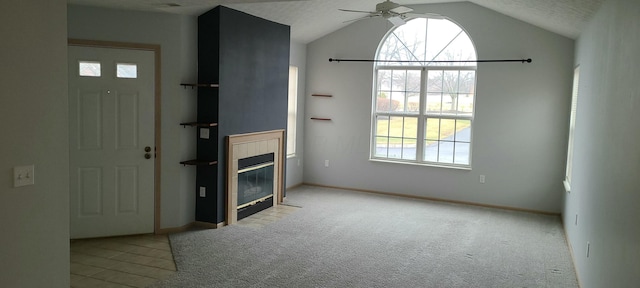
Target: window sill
292, 156
567, 186
464, 168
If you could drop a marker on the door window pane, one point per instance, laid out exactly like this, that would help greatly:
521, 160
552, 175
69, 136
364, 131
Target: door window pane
126, 70
90, 69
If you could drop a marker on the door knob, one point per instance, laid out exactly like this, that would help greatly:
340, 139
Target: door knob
147, 149
147, 156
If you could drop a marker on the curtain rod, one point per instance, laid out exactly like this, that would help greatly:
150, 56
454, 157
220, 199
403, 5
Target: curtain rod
412, 61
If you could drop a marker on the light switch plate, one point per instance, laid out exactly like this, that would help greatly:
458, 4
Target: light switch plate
204, 133
23, 175
203, 192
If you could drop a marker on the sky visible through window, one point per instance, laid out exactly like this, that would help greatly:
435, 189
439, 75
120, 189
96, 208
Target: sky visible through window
428, 40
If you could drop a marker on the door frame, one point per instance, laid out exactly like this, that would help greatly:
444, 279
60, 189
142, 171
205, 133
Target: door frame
157, 109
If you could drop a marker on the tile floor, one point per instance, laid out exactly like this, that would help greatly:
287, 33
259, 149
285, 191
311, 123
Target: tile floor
128, 261
267, 216
140, 260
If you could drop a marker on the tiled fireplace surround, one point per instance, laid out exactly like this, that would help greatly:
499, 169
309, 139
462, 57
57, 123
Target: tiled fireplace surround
248, 145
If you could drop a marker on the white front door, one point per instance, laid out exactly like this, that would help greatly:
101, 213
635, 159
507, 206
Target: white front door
111, 127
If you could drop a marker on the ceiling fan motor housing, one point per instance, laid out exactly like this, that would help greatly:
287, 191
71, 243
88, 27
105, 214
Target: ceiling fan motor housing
386, 6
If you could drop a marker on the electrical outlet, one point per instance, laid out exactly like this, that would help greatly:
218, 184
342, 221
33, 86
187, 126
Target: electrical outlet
326, 163
203, 192
23, 175
204, 133
482, 179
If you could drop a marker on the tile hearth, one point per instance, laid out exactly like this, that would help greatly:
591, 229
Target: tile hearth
267, 216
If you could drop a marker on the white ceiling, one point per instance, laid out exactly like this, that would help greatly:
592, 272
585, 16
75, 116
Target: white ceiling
312, 19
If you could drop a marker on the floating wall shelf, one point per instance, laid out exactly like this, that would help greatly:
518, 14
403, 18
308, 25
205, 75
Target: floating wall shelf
203, 124
199, 162
185, 85
321, 95
198, 124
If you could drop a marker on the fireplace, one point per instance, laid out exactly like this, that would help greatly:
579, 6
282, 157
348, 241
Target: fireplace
255, 184
255, 173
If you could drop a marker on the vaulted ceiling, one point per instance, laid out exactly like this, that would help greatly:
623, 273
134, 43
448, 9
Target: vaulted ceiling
312, 19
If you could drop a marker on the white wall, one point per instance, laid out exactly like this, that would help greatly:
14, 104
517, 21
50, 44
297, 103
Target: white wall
520, 125
605, 184
298, 58
177, 36
34, 246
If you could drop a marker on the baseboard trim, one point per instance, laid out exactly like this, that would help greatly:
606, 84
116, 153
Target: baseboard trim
190, 226
437, 199
209, 225
171, 230
573, 258
295, 186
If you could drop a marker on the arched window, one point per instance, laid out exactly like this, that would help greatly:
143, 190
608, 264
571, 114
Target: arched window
423, 104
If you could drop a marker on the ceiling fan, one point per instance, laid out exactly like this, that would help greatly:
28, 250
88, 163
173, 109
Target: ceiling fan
394, 12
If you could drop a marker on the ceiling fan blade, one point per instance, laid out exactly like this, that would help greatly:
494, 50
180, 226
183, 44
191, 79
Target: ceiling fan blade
396, 20
428, 15
357, 11
401, 10
358, 19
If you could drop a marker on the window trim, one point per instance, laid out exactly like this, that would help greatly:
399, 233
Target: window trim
292, 136
575, 94
421, 115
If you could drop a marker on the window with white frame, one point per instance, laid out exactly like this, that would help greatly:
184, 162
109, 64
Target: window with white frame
293, 111
572, 126
423, 102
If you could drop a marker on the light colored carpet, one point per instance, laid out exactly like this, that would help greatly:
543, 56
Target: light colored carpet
343, 238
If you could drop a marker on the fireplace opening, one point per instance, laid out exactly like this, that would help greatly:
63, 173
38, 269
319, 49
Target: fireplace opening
255, 184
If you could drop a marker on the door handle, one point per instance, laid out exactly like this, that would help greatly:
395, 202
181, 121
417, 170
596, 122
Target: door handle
147, 149
147, 156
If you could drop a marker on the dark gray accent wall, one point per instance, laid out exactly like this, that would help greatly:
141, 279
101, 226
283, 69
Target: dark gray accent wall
252, 57
254, 68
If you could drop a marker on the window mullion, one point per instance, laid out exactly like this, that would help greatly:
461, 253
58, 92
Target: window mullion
421, 118
455, 137
374, 115
388, 134
456, 117
455, 122
439, 139
404, 119
406, 100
